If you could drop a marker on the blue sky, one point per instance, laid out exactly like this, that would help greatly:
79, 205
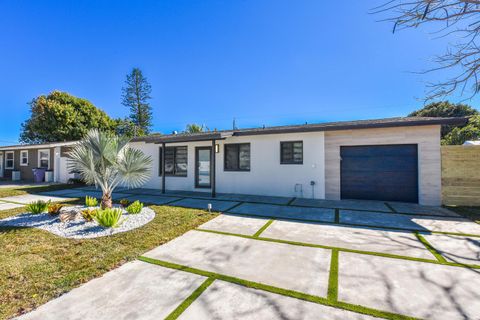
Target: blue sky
269, 62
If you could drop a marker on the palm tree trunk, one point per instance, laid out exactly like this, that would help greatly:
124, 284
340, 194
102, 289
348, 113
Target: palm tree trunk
106, 201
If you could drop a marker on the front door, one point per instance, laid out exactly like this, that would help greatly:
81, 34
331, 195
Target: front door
202, 167
1, 165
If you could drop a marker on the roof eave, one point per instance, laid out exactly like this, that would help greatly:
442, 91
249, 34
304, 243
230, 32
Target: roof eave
313, 128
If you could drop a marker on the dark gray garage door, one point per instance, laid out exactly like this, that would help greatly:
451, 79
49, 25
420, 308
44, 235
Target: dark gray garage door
387, 172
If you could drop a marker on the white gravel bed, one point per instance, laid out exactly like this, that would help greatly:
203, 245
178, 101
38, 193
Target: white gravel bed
78, 229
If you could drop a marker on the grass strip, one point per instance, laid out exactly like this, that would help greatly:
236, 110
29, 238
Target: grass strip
281, 291
187, 302
265, 226
172, 201
390, 207
430, 248
371, 253
332, 294
236, 205
356, 225
289, 203
337, 215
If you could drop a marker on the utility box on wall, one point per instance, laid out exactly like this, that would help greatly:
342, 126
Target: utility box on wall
16, 176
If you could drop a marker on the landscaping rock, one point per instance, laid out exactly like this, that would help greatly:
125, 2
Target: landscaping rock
69, 214
74, 226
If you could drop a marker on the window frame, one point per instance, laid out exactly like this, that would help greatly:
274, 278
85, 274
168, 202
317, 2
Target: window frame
21, 158
40, 160
282, 161
13, 160
174, 174
226, 145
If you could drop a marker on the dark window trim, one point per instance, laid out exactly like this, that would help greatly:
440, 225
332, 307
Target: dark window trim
174, 174
238, 160
197, 185
281, 154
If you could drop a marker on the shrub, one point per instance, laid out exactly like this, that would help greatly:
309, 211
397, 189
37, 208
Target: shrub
54, 208
91, 201
124, 203
109, 218
89, 214
75, 181
135, 207
37, 207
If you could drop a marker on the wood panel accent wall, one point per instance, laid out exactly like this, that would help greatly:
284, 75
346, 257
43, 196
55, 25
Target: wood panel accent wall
429, 164
461, 175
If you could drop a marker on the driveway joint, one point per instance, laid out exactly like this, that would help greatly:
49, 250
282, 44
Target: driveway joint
263, 228
190, 299
357, 225
430, 248
277, 290
332, 293
371, 253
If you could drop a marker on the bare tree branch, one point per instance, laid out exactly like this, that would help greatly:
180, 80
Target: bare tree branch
459, 18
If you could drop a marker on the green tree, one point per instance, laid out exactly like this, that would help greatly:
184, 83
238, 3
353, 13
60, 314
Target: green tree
60, 116
125, 127
136, 96
461, 134
107, 161
194, 128
445, 109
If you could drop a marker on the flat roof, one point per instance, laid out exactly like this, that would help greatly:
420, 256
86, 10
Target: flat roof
36, 146
326, 126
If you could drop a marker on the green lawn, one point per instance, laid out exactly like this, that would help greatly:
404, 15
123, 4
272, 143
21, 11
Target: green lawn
36, 266
16, 191
472, 213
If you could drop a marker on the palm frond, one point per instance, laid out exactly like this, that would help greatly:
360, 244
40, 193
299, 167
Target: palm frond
106, 160
134, 167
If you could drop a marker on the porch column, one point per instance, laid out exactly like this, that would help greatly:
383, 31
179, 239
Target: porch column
212, 168
163, 167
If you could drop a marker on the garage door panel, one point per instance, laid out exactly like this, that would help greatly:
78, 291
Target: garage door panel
388, 173
378, 151
395, 179
385, 166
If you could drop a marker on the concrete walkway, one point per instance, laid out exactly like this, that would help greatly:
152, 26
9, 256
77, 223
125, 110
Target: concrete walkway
279, 260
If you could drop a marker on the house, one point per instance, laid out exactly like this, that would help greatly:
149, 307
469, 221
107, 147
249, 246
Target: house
472, 143
395, 159
24, 158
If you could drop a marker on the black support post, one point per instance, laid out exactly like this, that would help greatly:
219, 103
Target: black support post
212, 169
163, 167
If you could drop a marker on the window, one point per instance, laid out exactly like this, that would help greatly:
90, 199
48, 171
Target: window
176, 161
237, 157
24, 158
44, 159
291, 152
9, 160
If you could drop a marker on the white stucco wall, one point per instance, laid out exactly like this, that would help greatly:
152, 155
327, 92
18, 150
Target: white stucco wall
266, 176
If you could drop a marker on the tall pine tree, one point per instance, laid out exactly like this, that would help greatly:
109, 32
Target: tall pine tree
136, 96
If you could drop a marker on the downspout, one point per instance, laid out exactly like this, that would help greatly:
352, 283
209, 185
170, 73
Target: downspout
163, 167
212, 168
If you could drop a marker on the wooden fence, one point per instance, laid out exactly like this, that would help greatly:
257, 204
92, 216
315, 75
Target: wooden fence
461, 175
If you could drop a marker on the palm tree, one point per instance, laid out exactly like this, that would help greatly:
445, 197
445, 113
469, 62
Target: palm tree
195, 128
107, 161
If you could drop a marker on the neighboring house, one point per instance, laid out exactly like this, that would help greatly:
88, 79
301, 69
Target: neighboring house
472, 143
396, 159
24, 158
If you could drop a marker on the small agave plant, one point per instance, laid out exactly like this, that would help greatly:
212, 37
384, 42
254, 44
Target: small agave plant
107, 161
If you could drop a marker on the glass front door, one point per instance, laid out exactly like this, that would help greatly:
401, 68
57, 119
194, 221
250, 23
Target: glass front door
202, 167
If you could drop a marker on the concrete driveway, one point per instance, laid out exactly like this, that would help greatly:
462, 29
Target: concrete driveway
302, 259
